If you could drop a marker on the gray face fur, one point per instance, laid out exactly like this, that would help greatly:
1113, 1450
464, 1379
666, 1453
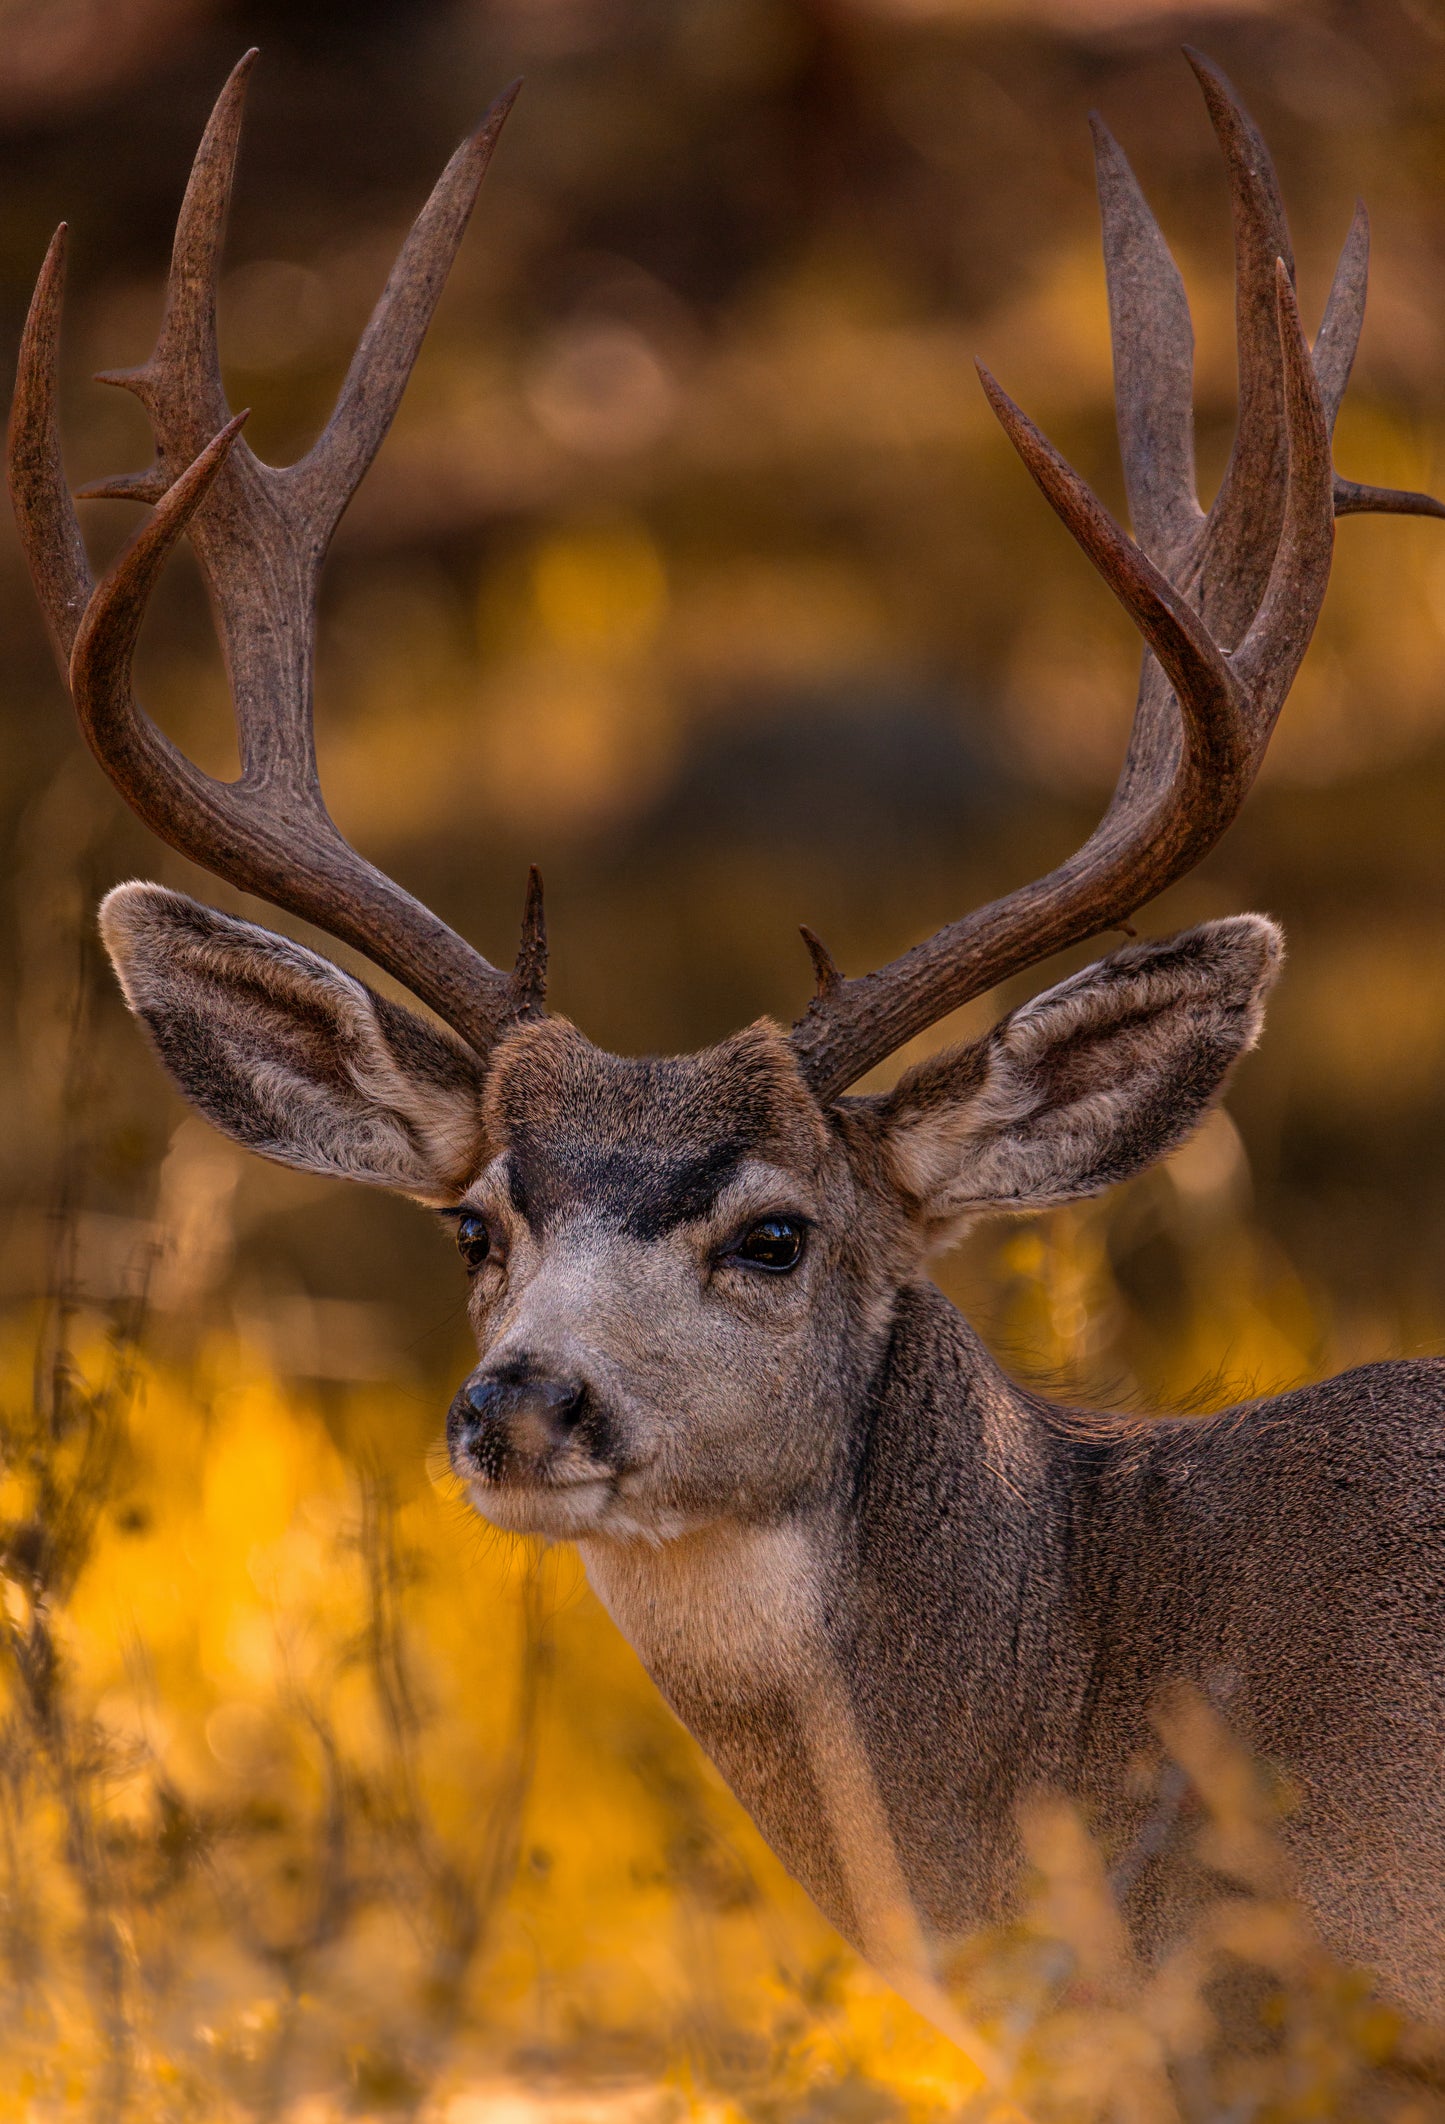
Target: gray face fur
638, 1380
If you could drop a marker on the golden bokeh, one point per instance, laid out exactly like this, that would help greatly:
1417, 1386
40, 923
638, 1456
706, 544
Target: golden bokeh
696, 571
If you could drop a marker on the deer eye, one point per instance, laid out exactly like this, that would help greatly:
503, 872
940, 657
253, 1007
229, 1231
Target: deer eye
773, 1243
474, 1241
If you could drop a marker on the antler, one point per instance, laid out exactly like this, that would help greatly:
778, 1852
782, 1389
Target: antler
1226, 603
260, 533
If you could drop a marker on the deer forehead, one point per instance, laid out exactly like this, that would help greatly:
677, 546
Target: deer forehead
650, 1144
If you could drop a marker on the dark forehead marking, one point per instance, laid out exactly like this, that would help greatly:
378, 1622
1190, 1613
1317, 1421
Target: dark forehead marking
646, 1191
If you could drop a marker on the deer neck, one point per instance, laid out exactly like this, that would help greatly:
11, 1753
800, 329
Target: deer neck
888, 1654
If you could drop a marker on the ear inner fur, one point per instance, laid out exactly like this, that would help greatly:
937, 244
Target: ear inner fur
1086, 1084
290, 1055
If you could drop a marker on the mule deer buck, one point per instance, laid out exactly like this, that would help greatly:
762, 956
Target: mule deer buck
890, 1592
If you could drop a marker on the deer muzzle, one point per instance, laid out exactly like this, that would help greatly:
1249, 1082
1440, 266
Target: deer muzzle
523, 1424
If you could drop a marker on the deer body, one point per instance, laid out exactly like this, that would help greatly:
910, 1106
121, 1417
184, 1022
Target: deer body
1004, 1589
892, 1594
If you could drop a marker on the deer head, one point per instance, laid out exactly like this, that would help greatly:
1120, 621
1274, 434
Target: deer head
682, 1267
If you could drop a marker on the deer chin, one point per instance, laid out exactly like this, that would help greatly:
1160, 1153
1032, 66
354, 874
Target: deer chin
599, 1504
601, 1507
558, 1511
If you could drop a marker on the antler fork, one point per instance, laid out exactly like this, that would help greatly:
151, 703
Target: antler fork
1226, 602
260, 533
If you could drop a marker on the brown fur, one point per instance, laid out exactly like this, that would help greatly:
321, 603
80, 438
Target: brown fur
889, 1592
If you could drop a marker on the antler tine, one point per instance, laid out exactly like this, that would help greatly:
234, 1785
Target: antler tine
529, 970
1334, 357
1354, 497
44, 513
1338, 337
330, 474
180, 383
1272, 651
169, 792
1242, 528
1253, 573
1208, 693
1153, 341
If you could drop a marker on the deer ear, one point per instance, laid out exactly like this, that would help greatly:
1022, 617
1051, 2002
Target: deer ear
1087, 1084
292, 1057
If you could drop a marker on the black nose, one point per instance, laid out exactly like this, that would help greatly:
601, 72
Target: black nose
557, 1402
518, 1411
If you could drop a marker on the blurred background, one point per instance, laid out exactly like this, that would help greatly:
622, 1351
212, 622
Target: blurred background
697, 572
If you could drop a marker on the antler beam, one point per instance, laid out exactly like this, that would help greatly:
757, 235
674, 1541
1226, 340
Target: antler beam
260, 533
1226, 602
